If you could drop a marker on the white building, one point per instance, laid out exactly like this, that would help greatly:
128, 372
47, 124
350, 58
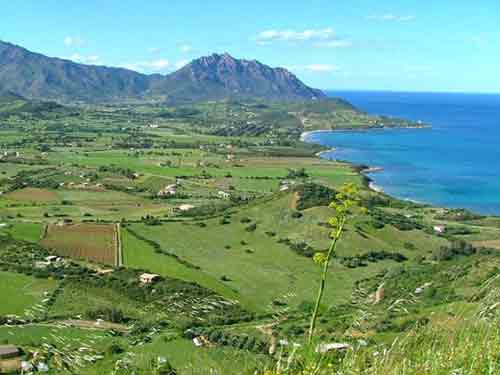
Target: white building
223, 194
439, 228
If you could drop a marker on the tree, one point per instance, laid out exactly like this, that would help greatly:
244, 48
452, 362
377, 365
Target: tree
345, 201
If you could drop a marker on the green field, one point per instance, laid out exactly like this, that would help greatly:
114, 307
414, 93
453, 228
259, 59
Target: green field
20, 293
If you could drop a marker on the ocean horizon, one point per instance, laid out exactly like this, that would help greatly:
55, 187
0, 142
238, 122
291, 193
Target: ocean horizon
455, 163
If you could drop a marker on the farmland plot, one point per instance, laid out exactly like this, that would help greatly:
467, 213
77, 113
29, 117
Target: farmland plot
93, 242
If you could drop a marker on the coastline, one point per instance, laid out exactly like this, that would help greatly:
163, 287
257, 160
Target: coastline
304, 135
364, 170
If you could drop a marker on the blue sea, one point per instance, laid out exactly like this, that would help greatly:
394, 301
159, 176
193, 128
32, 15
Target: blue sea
455, 163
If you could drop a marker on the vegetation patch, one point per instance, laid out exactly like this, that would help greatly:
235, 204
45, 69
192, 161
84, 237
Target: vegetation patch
33, 195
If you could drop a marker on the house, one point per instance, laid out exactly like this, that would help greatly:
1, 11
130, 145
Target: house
439, 228
201, 341
169, 190
52, 259
11, 153
9, 351
149, 278
223, 194
197, 342
185, 207
284, 188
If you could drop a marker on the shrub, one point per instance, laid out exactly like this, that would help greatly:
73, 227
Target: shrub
251, 227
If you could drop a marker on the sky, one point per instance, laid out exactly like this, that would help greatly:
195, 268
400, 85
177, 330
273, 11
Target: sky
403, 45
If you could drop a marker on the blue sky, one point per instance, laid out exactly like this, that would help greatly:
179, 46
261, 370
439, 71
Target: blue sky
407, 45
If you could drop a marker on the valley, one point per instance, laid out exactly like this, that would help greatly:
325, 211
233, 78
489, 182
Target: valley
216, 210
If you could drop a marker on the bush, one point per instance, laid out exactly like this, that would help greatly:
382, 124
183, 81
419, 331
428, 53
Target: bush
251, 227
456, 248
313, 195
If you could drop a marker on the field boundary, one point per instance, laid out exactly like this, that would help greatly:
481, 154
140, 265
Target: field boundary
119, 250
44, 232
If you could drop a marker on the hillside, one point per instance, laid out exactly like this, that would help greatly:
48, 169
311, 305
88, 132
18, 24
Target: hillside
34, 75
15, 105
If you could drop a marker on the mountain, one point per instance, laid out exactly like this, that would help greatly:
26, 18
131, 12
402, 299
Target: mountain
33, 75
222, 76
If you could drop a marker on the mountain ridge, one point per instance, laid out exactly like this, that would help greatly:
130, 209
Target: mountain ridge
217, 76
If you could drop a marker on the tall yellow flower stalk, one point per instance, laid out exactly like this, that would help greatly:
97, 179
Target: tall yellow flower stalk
345, 201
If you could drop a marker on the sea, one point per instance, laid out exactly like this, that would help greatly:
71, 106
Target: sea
455, 163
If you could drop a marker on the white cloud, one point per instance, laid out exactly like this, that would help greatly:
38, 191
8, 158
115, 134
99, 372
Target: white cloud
92, 59
390, 17
179, 64
150, 66
314, 68
73, 41
321, 68
185, 48
478, 40
339, 43
160, 64
296, 36
153, 50
418, 69
322, 38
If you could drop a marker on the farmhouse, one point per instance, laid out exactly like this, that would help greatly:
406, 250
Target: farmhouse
185, 207
201, 341
168, 190
11, 153
53, 259
223, 194
9, 351
148, 278
439, 228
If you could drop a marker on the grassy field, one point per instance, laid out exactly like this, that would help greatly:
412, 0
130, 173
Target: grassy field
75, 301
20, 292
138, 254
262, 270
26, 231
